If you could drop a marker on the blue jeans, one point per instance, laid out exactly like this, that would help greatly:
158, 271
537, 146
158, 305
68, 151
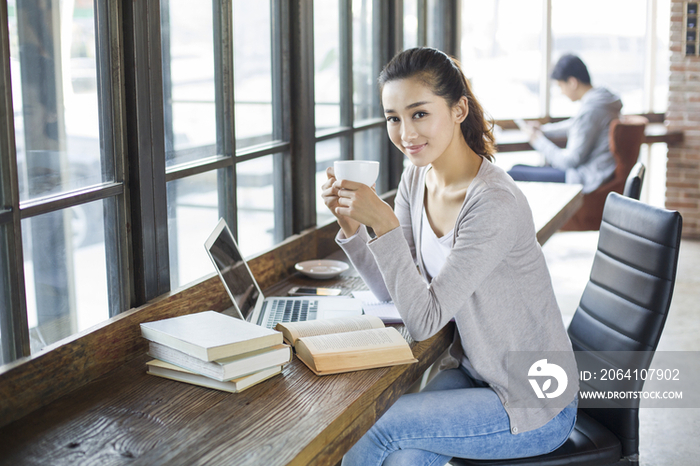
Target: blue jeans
454, 416
530, 173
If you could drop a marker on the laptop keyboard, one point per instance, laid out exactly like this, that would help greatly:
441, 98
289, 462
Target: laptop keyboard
285, 310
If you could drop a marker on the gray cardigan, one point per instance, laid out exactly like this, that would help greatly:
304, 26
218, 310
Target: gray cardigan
494, 284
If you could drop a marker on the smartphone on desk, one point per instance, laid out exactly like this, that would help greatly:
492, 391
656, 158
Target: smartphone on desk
313, 291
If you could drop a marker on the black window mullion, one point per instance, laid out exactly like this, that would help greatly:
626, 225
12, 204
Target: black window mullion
281, 125
445, 26
422, 32
384, 33
146, 149
14, 326
225, 110
303, 160
392, 158
347, 107
169, 136
110, 85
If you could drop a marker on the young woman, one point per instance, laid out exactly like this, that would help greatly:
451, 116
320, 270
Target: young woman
469, 230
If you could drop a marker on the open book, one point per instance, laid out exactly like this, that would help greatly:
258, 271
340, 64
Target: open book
332, 346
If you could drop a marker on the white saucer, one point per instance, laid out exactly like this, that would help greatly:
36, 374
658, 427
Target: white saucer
321, 268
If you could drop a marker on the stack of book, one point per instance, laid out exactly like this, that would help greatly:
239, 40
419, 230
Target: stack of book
214, 350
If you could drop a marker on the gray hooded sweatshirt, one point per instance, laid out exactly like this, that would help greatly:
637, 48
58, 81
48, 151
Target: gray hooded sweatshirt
587, 159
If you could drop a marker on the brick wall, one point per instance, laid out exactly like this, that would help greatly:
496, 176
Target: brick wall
683, 167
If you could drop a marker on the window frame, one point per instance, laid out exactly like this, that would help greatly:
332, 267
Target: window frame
133, 136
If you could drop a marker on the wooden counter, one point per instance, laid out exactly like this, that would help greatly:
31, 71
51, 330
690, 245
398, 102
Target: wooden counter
88, 399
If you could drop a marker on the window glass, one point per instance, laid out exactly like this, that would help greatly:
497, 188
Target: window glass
365, 72
252, 72
256, 204
65, 272
192, 215
500, 55
663, 56
327, 64
188, 81
327, 152
613, 49
54, 87
410, 24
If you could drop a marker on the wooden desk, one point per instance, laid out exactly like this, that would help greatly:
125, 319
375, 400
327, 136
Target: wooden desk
514, 140
552, 204
89, 400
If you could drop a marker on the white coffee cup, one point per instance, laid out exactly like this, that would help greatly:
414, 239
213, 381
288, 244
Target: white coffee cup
360, 171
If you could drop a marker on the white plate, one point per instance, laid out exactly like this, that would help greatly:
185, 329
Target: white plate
321, 268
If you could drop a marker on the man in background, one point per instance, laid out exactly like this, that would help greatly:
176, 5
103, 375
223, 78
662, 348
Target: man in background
587, 159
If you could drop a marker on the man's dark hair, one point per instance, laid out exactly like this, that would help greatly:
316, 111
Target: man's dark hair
568, 66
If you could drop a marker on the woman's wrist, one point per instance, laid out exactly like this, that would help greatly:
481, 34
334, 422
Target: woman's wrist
385, 227
348, 226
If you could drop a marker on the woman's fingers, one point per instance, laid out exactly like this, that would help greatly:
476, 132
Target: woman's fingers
347, 185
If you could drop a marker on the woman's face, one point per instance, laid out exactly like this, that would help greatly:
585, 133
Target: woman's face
420, 123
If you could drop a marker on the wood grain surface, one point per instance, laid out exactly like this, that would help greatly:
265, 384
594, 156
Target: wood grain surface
129, 417
88, 400
57, 370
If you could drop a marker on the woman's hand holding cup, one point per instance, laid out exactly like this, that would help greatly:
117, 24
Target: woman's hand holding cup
329, 194
353, 201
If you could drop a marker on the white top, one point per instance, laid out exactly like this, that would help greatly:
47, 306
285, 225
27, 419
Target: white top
434, 250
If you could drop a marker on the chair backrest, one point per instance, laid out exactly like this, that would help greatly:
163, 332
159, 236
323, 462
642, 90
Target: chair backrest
633, 185
625, 303
626, 137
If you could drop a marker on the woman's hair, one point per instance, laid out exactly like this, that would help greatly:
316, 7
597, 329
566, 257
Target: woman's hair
446, 79
571, 66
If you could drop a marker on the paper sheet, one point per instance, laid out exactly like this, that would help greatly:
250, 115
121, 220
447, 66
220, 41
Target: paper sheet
385, 310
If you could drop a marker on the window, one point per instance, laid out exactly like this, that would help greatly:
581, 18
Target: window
349, 122
201, 137
613, 50
411, 36
253, 79
501, 55
327, 64
110, 182
509, 47
68, 184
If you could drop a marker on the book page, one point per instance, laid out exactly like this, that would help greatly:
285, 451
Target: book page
295, 330
345, 352
356, 341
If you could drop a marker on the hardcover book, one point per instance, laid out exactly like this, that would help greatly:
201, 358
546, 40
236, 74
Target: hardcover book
173, 372
210, 335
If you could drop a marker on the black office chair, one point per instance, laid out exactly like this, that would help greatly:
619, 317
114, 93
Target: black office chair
633, 185
623, 308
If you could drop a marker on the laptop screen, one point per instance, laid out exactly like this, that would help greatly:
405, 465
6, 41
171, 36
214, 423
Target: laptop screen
232, 269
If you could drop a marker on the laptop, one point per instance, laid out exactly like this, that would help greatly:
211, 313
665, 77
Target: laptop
249, 301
